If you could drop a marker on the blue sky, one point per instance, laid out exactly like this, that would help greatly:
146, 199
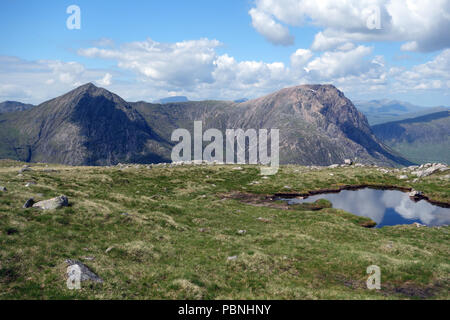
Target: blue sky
145, 50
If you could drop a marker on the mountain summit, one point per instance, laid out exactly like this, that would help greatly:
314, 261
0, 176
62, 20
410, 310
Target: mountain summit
93, 126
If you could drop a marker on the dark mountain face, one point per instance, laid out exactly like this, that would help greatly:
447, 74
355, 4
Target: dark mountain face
422, 139
13, 106
88, 126
92, 126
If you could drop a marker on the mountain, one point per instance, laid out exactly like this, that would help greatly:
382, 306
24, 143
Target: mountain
13, 106
87, 126
421, 139
318, 124
383, 111
172, 99
92, 126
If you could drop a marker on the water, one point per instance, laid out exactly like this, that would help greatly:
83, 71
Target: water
385, 207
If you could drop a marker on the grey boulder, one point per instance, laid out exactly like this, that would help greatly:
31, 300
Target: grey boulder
86, 273
54, 203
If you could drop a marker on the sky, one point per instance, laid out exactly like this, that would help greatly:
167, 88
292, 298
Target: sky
227, 50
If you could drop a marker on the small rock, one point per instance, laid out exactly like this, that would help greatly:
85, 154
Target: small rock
348, 162
237, 168
28, 204
51, 204
126, 214
415, 194
203, 230
263, 220
418, 225
232, 258
403, 177
3, 189
242, 231
333, 166
30, 183
11, 231
88, 258
109, 249
86, 273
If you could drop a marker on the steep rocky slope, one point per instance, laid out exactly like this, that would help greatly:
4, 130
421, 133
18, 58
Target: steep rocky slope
422, 139
89, 125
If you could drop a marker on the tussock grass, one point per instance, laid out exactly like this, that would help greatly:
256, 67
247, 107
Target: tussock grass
170, 232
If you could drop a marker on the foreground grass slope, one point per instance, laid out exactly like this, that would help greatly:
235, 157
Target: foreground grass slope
170, 232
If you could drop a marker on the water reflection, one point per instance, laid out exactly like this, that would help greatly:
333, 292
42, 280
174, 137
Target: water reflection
385, 207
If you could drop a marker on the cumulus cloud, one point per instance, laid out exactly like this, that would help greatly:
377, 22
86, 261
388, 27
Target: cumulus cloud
270, 29
150, 70
175, 64
421, 24
106, 80
36, 81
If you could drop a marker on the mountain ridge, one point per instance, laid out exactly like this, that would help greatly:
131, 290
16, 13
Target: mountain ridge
93, 126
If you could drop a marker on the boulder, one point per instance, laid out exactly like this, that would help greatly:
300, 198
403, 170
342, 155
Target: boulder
428, 169
416, 194
348, 162
51, 204
28, 204
86, 273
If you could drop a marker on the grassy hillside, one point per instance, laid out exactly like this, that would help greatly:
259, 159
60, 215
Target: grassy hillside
421, 140
170, 232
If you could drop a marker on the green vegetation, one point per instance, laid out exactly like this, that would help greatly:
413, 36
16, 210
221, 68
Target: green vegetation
183, 223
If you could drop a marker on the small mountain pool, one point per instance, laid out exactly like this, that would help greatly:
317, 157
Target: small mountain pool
385, 207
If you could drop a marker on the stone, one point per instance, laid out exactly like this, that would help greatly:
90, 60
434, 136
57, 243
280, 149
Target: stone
428, 169
109, 249
3, 189
263, 220
403, 177
348, 162
24, 169
232, 258
28, 204
415, 194
51, 204
418, 225
242, 231
30, 183
333, 166
86, 273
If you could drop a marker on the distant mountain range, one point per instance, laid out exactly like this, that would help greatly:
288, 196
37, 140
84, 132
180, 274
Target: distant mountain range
382, 111
421, 139
12, 106
172, 99
92, 126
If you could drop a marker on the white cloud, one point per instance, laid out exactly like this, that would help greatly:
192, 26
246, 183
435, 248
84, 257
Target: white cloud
174, 64
421, 24
106, 80
337, 64
150, 70
271, 30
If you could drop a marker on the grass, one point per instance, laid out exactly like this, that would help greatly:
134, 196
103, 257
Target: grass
169, 233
